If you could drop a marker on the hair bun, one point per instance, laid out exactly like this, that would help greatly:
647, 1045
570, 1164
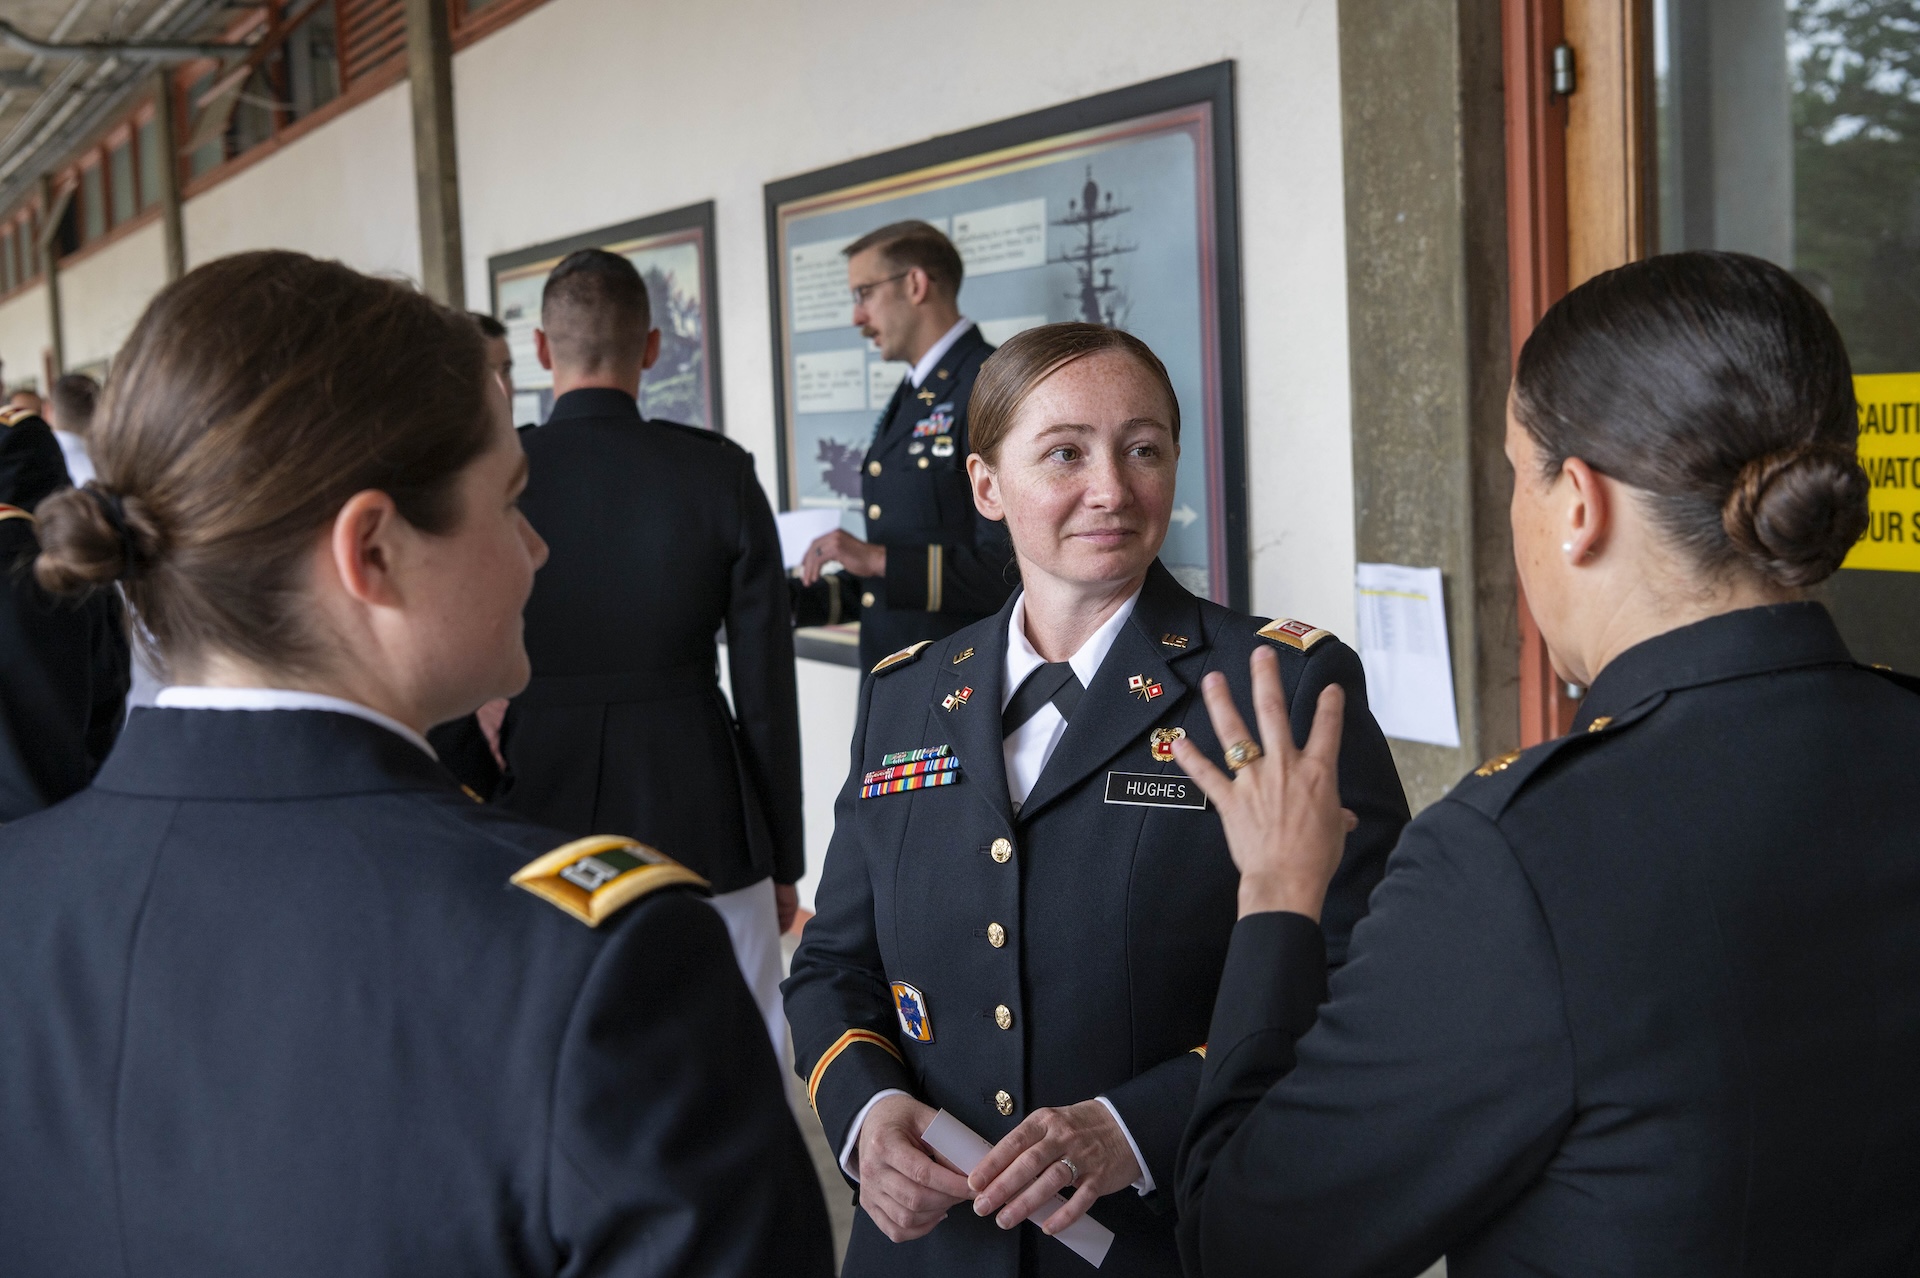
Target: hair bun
91, 536
1795, 514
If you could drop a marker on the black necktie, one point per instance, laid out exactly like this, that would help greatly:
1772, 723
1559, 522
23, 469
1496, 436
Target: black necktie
1053, 682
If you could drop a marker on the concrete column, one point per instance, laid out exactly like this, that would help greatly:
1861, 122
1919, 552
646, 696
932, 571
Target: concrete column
50, 264
430, 69
1428, 333
173, 235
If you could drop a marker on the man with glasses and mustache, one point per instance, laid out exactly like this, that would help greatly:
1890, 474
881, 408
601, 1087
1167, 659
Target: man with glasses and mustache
929, 564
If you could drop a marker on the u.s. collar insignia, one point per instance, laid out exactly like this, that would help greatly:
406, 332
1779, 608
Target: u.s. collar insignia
1144, 688
1173, 641
594, 877
962, 656
926, 395
958, 697
911, 1005
942, 446
1161, 743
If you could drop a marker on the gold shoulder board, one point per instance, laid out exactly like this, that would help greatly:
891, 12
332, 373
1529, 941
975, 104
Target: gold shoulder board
13, 416
14, 512
1498, 763
1294, 634
596, 877
901, 657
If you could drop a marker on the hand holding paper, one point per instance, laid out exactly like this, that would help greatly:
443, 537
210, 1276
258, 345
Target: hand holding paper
960, 1145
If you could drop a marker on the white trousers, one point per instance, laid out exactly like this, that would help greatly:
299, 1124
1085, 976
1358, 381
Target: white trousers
753, 923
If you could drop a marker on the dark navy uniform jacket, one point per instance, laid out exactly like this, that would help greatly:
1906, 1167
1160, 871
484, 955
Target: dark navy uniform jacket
659, 535
1641, 1000
64, 664
1113, 916
947, 567
272, 1007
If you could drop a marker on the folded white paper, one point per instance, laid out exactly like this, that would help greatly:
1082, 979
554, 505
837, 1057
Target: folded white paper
960, 1145
798, 530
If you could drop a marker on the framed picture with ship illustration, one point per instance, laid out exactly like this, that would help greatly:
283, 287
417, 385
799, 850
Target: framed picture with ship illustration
673, 252
1120, 209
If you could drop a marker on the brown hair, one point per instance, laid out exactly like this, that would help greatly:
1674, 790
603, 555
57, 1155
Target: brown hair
74, 397
1719, 386
255, 396
910, 245
1030, 357
595, 311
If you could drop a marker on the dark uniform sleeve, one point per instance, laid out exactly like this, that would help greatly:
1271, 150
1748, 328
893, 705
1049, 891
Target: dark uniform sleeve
766, 703
838, 1000
1156, 1104
112, 675
1434, 1084
973, 577
673, 1150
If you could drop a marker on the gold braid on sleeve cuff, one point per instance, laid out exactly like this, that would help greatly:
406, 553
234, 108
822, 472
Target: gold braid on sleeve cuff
832, 1054
936, 562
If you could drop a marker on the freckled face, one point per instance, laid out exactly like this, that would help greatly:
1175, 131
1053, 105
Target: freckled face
1085, 475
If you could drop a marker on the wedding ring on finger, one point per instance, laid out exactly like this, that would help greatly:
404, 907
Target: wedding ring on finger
1073, 1173
1241, 753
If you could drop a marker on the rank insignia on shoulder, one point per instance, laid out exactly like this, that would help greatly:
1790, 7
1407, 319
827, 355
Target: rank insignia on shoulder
1160, 742
911, 1005
595, 877
1144, 688
1498, 763
1294, 634
911, 770
958, 697
13, 416
900, 658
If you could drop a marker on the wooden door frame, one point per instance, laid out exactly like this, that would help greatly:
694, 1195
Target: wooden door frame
1579, 201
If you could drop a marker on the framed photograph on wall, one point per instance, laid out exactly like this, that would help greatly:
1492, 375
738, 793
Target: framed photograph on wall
674, 254
1119, 208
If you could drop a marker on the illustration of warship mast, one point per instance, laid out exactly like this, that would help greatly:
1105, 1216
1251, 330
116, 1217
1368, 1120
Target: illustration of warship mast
1099, 297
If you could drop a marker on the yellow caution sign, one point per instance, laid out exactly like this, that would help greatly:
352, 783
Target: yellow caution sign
1890, 452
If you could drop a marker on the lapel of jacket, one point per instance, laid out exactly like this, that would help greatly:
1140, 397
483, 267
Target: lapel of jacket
886, 418
1111, 715
973, 727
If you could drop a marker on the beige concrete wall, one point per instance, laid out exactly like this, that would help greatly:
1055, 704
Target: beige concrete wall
343, 191
23, 337
102, 296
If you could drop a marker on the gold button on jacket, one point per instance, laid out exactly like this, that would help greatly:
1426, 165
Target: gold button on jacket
996, 935
1003, 1103
873, 511
1003, 1016
873, 468
1002, 850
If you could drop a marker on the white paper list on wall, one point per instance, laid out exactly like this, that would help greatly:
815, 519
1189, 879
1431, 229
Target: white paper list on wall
1403, 645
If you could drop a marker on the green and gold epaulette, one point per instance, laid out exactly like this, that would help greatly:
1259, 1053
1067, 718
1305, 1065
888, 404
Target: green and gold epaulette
905, 656
596, 877
1294, 634
14, 416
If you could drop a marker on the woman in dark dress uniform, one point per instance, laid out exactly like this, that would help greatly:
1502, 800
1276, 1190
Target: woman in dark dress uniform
275, 1000
1025, 906
1644, 999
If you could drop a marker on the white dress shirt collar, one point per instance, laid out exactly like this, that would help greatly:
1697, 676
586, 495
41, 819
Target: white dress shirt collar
198, 697
924, 369
1032, 743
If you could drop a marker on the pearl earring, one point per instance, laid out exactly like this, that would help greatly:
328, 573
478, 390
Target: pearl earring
1566, 548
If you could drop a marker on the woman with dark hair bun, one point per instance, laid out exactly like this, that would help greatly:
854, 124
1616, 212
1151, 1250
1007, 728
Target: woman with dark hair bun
274, 1000
1646, 998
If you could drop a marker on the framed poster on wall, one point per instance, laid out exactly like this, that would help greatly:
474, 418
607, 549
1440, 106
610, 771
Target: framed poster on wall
1120, 209
674, 254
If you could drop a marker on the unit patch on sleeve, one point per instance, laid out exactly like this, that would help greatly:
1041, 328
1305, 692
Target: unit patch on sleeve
911, 1004
595, 877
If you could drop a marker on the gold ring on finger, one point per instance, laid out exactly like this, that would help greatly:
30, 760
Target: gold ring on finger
1241, 753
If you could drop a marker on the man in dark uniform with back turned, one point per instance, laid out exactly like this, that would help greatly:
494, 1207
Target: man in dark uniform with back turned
659, 534
930, 563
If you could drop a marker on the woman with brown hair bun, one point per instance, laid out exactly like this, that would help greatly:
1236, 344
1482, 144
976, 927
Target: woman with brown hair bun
1646, 998
1025, 907
274, 1000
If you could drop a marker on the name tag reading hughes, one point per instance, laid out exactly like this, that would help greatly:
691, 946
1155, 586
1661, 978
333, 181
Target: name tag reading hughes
1154, 790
